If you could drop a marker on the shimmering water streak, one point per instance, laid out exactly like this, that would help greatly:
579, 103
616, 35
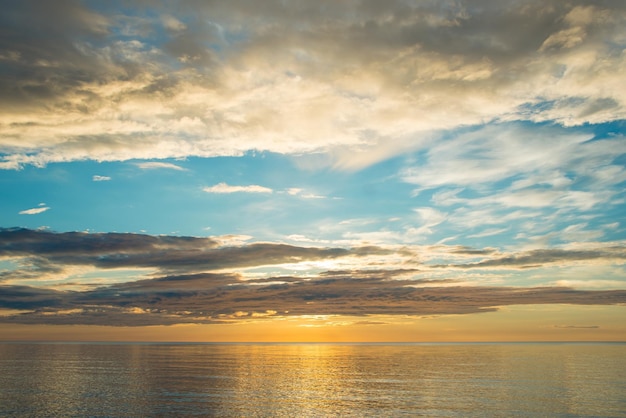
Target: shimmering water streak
313, 380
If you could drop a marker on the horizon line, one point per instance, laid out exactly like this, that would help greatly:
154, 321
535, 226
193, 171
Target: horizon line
312, 342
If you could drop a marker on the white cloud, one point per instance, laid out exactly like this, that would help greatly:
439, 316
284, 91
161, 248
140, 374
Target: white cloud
171, 23
101, 178
225, 188
231, 240
371, 85
528, 179
295, 191
447, 197
312, 196
488, 232
158, 165
34, 211
429, 218
497, 152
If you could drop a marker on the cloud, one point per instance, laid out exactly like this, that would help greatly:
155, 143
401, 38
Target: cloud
542, 257
223, 188
34, 211
578, 326
429, 217
592, 283
207, 298
355, 81
520, 179
25, 297
207, 280
489, 232
153, 165
295, 191
472, 251
499, 152
101, 178
165, 253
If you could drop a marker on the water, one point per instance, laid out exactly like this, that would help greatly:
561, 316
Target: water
299, 380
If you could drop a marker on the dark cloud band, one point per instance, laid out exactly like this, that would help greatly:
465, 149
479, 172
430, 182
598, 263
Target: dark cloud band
206, 298
187, 292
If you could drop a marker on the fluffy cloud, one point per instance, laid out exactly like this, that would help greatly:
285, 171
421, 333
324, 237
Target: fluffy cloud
358, 81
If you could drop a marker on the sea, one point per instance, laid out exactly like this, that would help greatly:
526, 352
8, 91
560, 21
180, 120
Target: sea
313, 380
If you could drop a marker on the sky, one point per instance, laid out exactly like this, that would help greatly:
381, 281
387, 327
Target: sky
313, 171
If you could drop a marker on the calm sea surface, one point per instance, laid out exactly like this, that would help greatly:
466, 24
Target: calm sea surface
299, 380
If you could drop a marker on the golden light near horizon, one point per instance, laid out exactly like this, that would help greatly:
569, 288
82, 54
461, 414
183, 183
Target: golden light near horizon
507, 324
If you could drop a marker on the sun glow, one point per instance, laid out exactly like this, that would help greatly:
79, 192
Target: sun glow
530, 323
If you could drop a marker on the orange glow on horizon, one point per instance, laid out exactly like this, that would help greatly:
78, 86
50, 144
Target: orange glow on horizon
511, 323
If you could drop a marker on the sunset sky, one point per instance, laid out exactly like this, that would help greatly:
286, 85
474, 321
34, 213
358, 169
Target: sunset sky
313, 170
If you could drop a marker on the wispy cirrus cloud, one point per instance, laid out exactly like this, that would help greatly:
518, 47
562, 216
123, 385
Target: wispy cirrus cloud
521, 154
521, 179
101, 178
155, 165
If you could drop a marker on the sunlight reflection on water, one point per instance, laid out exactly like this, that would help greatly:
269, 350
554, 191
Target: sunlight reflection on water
313, 380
